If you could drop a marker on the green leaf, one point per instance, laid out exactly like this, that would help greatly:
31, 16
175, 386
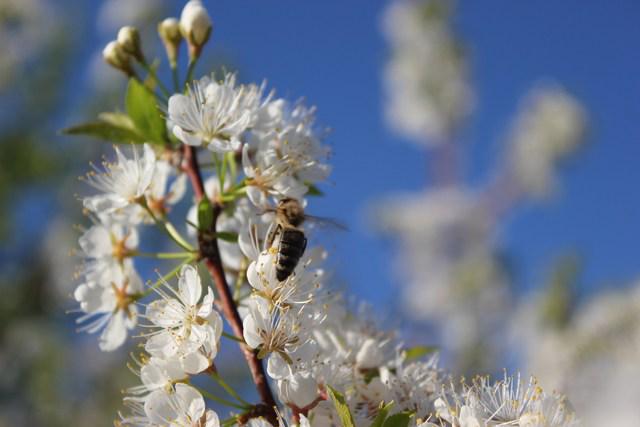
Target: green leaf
106, 131
341, 407
143, 110
205, 214
400, 419
117, 119
419, 351
227, 236
383, 411
313, 190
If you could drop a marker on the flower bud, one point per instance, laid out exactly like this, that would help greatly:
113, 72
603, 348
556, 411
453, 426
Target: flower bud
117, 57
129, 39
195, 25
169, 31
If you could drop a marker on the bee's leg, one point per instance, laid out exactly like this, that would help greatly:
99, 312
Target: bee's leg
272, 232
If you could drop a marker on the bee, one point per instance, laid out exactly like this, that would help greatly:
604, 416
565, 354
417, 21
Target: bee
287, 226
289, 216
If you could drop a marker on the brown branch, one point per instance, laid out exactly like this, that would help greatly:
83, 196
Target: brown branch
211, 256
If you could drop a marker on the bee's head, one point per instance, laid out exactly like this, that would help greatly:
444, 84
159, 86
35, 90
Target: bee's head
291, 210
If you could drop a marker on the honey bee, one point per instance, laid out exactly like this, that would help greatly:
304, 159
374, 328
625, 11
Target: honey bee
292, 242
289, 215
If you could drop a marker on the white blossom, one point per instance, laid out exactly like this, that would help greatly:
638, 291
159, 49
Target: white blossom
166, 189
110, 308
299, 389
107, 247
122, 183
298, 288
189, 327
549, 127
274, 328
506, 402
183, 407
284, 154
213, 114
157, 373
426, 82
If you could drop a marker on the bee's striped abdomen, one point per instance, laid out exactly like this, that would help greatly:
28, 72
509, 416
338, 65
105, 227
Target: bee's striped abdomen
290, 249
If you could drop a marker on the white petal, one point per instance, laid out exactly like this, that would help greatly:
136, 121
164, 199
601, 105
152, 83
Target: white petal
194, 362
277, 367
206, 306
250, 332
299, 389
115, 332
165, 313
96, 242
161, 344
192, 400
212, 419
158, 407
189, 285
104, 203
177, 189
247, 166
257, 197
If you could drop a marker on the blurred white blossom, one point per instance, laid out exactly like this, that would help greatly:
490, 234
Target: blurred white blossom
426, 82
596, 350
549, 127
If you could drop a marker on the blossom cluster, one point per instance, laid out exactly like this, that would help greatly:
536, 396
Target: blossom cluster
245, 153
455, 277
426, 77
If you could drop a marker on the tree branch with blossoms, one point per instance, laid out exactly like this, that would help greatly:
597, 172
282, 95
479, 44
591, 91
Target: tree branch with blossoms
211, 254
313, 360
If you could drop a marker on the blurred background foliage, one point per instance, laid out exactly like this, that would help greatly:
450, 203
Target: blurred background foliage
46, 379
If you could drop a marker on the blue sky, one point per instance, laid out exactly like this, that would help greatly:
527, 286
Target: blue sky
332, 53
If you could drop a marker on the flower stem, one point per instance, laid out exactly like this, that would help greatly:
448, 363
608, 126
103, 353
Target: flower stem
222, 401
153, 74
242, 274
168, 228
166, 277
232, 337
190, 70
228, 389
176, 79
165, 255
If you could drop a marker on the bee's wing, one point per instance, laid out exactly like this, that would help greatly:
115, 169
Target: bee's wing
322, 222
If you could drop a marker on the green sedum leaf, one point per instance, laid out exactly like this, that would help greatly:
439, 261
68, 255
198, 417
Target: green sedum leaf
341, 407
143, 111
